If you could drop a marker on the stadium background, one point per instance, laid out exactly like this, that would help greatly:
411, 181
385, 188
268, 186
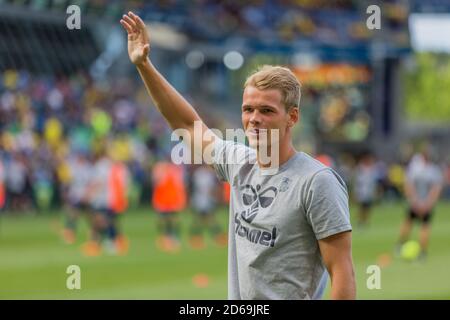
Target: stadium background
64, 91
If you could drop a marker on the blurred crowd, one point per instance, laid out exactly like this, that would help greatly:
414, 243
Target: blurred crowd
331, 22
46, 122
280, 21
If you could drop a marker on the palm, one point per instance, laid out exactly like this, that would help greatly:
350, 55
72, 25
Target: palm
136, 43
138, 40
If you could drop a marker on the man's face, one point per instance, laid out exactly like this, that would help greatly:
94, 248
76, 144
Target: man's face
264, 110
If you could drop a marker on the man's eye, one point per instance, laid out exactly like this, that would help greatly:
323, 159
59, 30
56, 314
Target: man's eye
247, 110
266, 110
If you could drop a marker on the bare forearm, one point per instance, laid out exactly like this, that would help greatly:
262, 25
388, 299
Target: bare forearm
343, 286
175, 109
433, 197
410, 193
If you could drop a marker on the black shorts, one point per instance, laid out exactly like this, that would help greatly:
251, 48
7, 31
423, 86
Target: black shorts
426, 218
80, 206
107, 212
367, 204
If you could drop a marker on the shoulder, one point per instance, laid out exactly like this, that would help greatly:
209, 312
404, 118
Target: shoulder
313, 176
240, 150
233, 154
314, 170
325, 180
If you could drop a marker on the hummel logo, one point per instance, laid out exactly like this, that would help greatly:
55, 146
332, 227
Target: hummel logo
255, 198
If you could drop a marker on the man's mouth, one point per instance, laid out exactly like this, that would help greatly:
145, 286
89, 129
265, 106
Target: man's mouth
255, 132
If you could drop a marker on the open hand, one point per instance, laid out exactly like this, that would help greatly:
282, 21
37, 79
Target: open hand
138, 38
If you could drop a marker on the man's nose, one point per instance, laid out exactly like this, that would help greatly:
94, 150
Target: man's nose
255, 118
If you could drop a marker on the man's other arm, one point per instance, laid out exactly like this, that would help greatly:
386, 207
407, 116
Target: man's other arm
336, 252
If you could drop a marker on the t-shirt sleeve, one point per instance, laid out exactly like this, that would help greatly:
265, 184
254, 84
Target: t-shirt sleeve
326, 204
228, 155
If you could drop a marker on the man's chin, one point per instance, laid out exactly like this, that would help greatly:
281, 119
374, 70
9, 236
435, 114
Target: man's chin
257, 144
253, 145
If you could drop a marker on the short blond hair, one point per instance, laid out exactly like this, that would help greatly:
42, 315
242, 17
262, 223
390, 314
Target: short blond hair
277, 77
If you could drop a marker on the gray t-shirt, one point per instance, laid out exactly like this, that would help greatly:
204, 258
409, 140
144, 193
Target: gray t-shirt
365, 183
423, 176
276, 220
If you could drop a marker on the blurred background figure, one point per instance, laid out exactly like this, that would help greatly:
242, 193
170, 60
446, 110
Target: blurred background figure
205, 195
169, 199
98, 193
119, 186
423, 187
18, 184
77, 197
365, 187
2, 185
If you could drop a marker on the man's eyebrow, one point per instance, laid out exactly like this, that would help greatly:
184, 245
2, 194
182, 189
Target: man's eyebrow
258, 106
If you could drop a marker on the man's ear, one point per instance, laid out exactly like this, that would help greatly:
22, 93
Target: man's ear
294, 116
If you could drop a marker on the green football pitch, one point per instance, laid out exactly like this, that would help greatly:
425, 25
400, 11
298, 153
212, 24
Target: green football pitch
34, 261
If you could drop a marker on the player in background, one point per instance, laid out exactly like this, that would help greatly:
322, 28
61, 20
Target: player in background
16, 183
365, 187
169, 199
204, 197
80, 172
422, 190
118, 185
2, 184
98, 197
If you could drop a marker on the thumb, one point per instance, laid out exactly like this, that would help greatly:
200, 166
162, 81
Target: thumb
146, 49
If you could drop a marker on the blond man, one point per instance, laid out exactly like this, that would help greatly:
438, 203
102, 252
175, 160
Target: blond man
289, 225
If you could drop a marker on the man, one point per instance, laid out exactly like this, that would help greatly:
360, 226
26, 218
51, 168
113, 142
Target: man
423, 187
365, 187
16, 182
80, 176
289, 222
97, 195
168, 200
2, 184
118, 185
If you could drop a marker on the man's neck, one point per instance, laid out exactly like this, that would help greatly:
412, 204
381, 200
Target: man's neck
283, 156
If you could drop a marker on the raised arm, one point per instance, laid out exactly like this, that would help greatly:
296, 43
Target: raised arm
174, 108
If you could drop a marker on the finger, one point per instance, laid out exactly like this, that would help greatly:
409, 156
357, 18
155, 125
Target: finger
130, 22
138, 20
133, 17
126, 26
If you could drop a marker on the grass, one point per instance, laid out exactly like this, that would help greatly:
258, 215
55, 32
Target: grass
33, 261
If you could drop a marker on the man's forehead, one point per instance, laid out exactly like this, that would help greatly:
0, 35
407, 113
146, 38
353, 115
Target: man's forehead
256, 96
